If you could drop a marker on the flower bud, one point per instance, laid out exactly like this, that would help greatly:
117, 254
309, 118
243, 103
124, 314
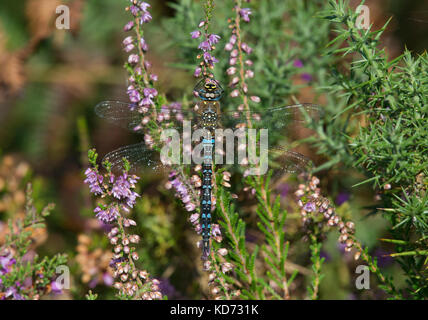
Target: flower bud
135, 255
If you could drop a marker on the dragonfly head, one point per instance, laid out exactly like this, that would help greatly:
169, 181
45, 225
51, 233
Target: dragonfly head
209, 89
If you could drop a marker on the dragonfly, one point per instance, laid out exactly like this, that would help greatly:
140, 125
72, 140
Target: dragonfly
206, 116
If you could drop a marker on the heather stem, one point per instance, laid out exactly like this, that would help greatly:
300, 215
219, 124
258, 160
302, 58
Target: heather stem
278, 252
242, 83
317, 262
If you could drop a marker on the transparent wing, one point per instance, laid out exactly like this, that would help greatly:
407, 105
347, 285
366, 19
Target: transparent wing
289, 161
280, 160
274, 118
120, 113
130, 116
138, 155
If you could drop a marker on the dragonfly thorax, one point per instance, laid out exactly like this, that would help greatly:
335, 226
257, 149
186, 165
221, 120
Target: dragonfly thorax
209, 118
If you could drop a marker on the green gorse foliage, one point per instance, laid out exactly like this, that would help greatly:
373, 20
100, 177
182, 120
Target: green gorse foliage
391, 149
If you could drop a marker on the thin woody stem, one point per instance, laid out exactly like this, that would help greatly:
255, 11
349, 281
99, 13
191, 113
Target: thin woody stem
277, 239
242, 83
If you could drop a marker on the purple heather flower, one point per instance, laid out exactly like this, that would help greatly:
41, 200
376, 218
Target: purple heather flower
108, 279
325, 255
190, 206
132, 180
309, 207
215, 230
249, 74
284, 189
246, 48
201, 24
93, 283
181, 189
186, 199
28, 282
213, 39
228, 46
209, 59
131, 200
298, 63
11, 291
128, 40
134, 95
154, 77
144, 6
194, 218
107, 216
7, 261
383, 257
150, 92
342, 197
231, 71
234, 93
138, 71
233, 39
198, 72
134, 10
144, 45
121, 187
133, 58
146, 17
341, 247
146, 101
128, 26
245, 14
165, 109
234, 81
167, 289
306, 77
195, 34
55, 288
175, 106
255, 99
93, 180
129, 47
205, 46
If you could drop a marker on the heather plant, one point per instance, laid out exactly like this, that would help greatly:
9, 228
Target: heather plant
390, 94
23, 274
119, 198
273, 236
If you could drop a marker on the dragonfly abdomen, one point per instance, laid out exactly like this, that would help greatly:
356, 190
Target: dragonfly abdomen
207, 172
206, 209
